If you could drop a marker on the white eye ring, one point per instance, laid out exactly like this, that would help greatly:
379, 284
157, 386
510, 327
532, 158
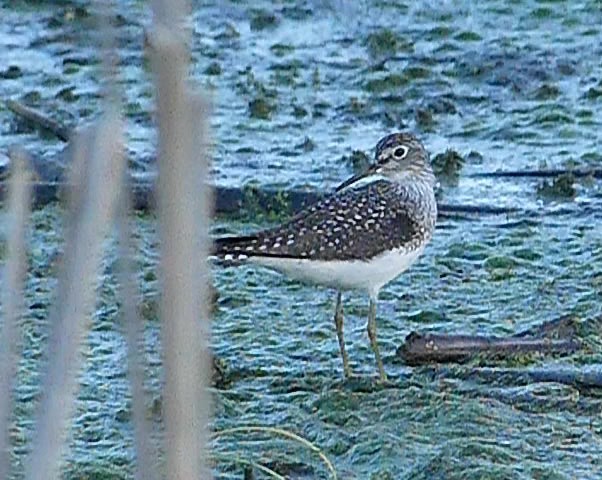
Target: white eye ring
400, 152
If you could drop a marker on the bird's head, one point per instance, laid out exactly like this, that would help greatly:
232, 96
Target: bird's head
399, 157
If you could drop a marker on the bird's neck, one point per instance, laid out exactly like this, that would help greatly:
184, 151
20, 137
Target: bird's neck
423, 177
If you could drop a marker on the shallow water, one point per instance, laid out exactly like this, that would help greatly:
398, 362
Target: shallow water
519, 83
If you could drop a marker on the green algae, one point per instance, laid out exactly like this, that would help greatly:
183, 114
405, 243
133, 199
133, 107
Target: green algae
547, 92
299, 111
448, 165
12, 72
439, 32
214, 68
542, 13
394, 81
562, 187
387, 42
499, 262
425, 119
593, 93
468, 36
358, 160
282, 49
261, 108
386, 83
263, 19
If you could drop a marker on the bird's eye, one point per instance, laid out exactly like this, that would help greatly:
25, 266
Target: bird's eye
400, 152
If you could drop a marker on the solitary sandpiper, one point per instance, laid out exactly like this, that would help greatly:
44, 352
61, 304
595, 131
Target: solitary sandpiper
361, 237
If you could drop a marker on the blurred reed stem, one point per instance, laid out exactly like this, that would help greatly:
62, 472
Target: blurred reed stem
146, 455
97, 174
183, 205
12, 295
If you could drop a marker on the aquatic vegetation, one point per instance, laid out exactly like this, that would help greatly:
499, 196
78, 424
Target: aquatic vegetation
562, 187
358, 160
447, 165
262, 19
214, 68
261, 107
387, 42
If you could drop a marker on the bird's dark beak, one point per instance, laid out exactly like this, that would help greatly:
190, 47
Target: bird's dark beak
372, 169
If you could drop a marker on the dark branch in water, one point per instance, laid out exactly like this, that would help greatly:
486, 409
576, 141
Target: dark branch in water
234, 200
556, 337
39, 120
577, 173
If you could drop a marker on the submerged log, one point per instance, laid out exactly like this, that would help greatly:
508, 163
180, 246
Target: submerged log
38, 120
419, 349
555, 337
583, 378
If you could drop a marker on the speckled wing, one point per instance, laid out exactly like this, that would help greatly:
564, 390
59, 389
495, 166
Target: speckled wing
355, 224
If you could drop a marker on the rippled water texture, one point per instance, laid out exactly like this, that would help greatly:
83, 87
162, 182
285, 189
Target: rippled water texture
296, 87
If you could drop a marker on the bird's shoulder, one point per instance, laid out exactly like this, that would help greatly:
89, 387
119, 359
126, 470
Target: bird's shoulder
379, 192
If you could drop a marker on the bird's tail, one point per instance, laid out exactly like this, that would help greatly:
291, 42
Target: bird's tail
231, 248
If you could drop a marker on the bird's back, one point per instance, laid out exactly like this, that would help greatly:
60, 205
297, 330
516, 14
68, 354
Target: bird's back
356, 224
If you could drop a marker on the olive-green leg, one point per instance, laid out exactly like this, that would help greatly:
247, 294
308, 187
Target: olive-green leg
338, 321
373, 341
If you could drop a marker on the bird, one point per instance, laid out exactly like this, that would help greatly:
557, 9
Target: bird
360, 237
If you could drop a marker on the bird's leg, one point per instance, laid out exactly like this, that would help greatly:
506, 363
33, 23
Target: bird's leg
373, 341
338, 321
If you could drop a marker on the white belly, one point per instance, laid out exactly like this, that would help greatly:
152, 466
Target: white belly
368, 276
